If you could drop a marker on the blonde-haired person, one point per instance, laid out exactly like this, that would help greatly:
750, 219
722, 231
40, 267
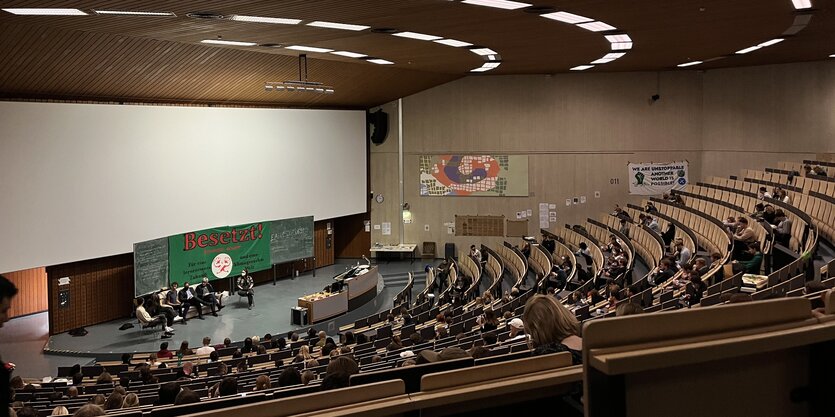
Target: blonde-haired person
305, 352
552, 328
60, 411
131, 400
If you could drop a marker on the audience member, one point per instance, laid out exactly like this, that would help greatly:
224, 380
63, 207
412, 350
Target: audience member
206, 348
335, 380
98, 399
27, 411
262, 383
289, 376
114, 401
59, 411
187, 396
307, 376
628, 309
131, 400
184, 350
167, 393
72, 392
552, 328
88, 410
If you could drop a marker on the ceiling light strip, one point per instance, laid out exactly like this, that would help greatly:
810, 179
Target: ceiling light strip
42, 11
263, 19
689, 64
499, 4
132, 13
227, 43
340, 26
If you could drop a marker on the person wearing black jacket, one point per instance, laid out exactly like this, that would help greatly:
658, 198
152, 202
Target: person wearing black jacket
206, 295
188, 298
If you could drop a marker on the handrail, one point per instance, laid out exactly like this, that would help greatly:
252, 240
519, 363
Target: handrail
495, 267
406, 292
563, 250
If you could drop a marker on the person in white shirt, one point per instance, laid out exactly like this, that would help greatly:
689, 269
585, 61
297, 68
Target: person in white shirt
763, 194
146, 319
684, 254
652, 224
205, 349
475, 253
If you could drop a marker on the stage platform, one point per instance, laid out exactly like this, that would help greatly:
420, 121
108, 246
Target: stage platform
271, 314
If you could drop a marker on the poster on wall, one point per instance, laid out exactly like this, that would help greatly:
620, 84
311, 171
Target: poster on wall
657, 178
474, 175
219, 252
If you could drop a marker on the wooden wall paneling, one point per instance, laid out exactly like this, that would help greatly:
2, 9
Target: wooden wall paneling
323, 243
32, 292
100, 290
350, 238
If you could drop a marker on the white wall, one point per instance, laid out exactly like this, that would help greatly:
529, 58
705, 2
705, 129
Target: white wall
81, 181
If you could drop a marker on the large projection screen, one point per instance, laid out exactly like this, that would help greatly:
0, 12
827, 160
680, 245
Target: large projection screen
81, 181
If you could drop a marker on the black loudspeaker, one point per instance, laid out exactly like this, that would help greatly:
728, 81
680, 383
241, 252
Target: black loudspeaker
378, 126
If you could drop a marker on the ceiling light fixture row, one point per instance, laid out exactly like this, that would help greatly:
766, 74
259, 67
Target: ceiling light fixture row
801, 20
618, 42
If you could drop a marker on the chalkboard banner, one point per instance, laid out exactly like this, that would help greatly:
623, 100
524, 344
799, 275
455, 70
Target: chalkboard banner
291, 239
150, 266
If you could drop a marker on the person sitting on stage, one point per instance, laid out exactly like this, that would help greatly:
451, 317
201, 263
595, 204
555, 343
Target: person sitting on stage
245, 285
173, 300
149, 321
188, 298
206, 295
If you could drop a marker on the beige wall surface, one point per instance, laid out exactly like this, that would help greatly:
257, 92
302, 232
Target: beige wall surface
757, 116
581, 130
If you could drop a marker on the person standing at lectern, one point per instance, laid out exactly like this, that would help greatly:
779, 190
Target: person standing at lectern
245, 285
206, 295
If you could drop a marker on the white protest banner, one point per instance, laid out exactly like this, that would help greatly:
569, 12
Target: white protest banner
657, 178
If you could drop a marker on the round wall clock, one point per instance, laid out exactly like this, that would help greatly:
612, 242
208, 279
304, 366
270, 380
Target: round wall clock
380, 198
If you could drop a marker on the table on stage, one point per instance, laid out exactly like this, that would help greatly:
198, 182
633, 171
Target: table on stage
323, 305
401, 249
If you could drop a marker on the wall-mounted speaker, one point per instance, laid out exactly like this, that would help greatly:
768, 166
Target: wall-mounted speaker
378, 126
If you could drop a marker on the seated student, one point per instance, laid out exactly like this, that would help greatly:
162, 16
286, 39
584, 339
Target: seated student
753, 263
783, 228
206, 295
743, 237
763, 194
552, 328
621, 214
700, 266
695, 289
147, 320
583, 250
206, 348
759, 209
652, 224
475, 253
624, 227
593, 297
188, 298
245, 285
172, 300
661, 273
769, 214
716, 261
684, 254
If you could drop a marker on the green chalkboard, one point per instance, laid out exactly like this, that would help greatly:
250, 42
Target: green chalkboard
150, 266
291, 239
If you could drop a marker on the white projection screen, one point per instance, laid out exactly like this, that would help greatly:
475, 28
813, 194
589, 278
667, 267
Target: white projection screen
82, 181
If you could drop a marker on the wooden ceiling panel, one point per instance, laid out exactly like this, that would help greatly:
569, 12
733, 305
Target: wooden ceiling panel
127, 58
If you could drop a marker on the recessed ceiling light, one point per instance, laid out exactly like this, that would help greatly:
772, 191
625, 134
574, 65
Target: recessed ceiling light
261, 19
230, 43
771, 42
749, 49
484, 51
453, 42
418, 36
832, 56
621, 46
480, 69
342, 26
309, 49
597, 26
582, 67
491, 57
500, 4
30, 11
380, 61
567, 17
802, 4
618, 38
609, 57
129, 13
492, 65
349, 54
689, 64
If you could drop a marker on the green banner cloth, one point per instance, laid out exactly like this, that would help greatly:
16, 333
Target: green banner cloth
219, 252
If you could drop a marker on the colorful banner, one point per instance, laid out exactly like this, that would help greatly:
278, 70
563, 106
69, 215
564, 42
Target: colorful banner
474, 175
218, 253
657, 178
